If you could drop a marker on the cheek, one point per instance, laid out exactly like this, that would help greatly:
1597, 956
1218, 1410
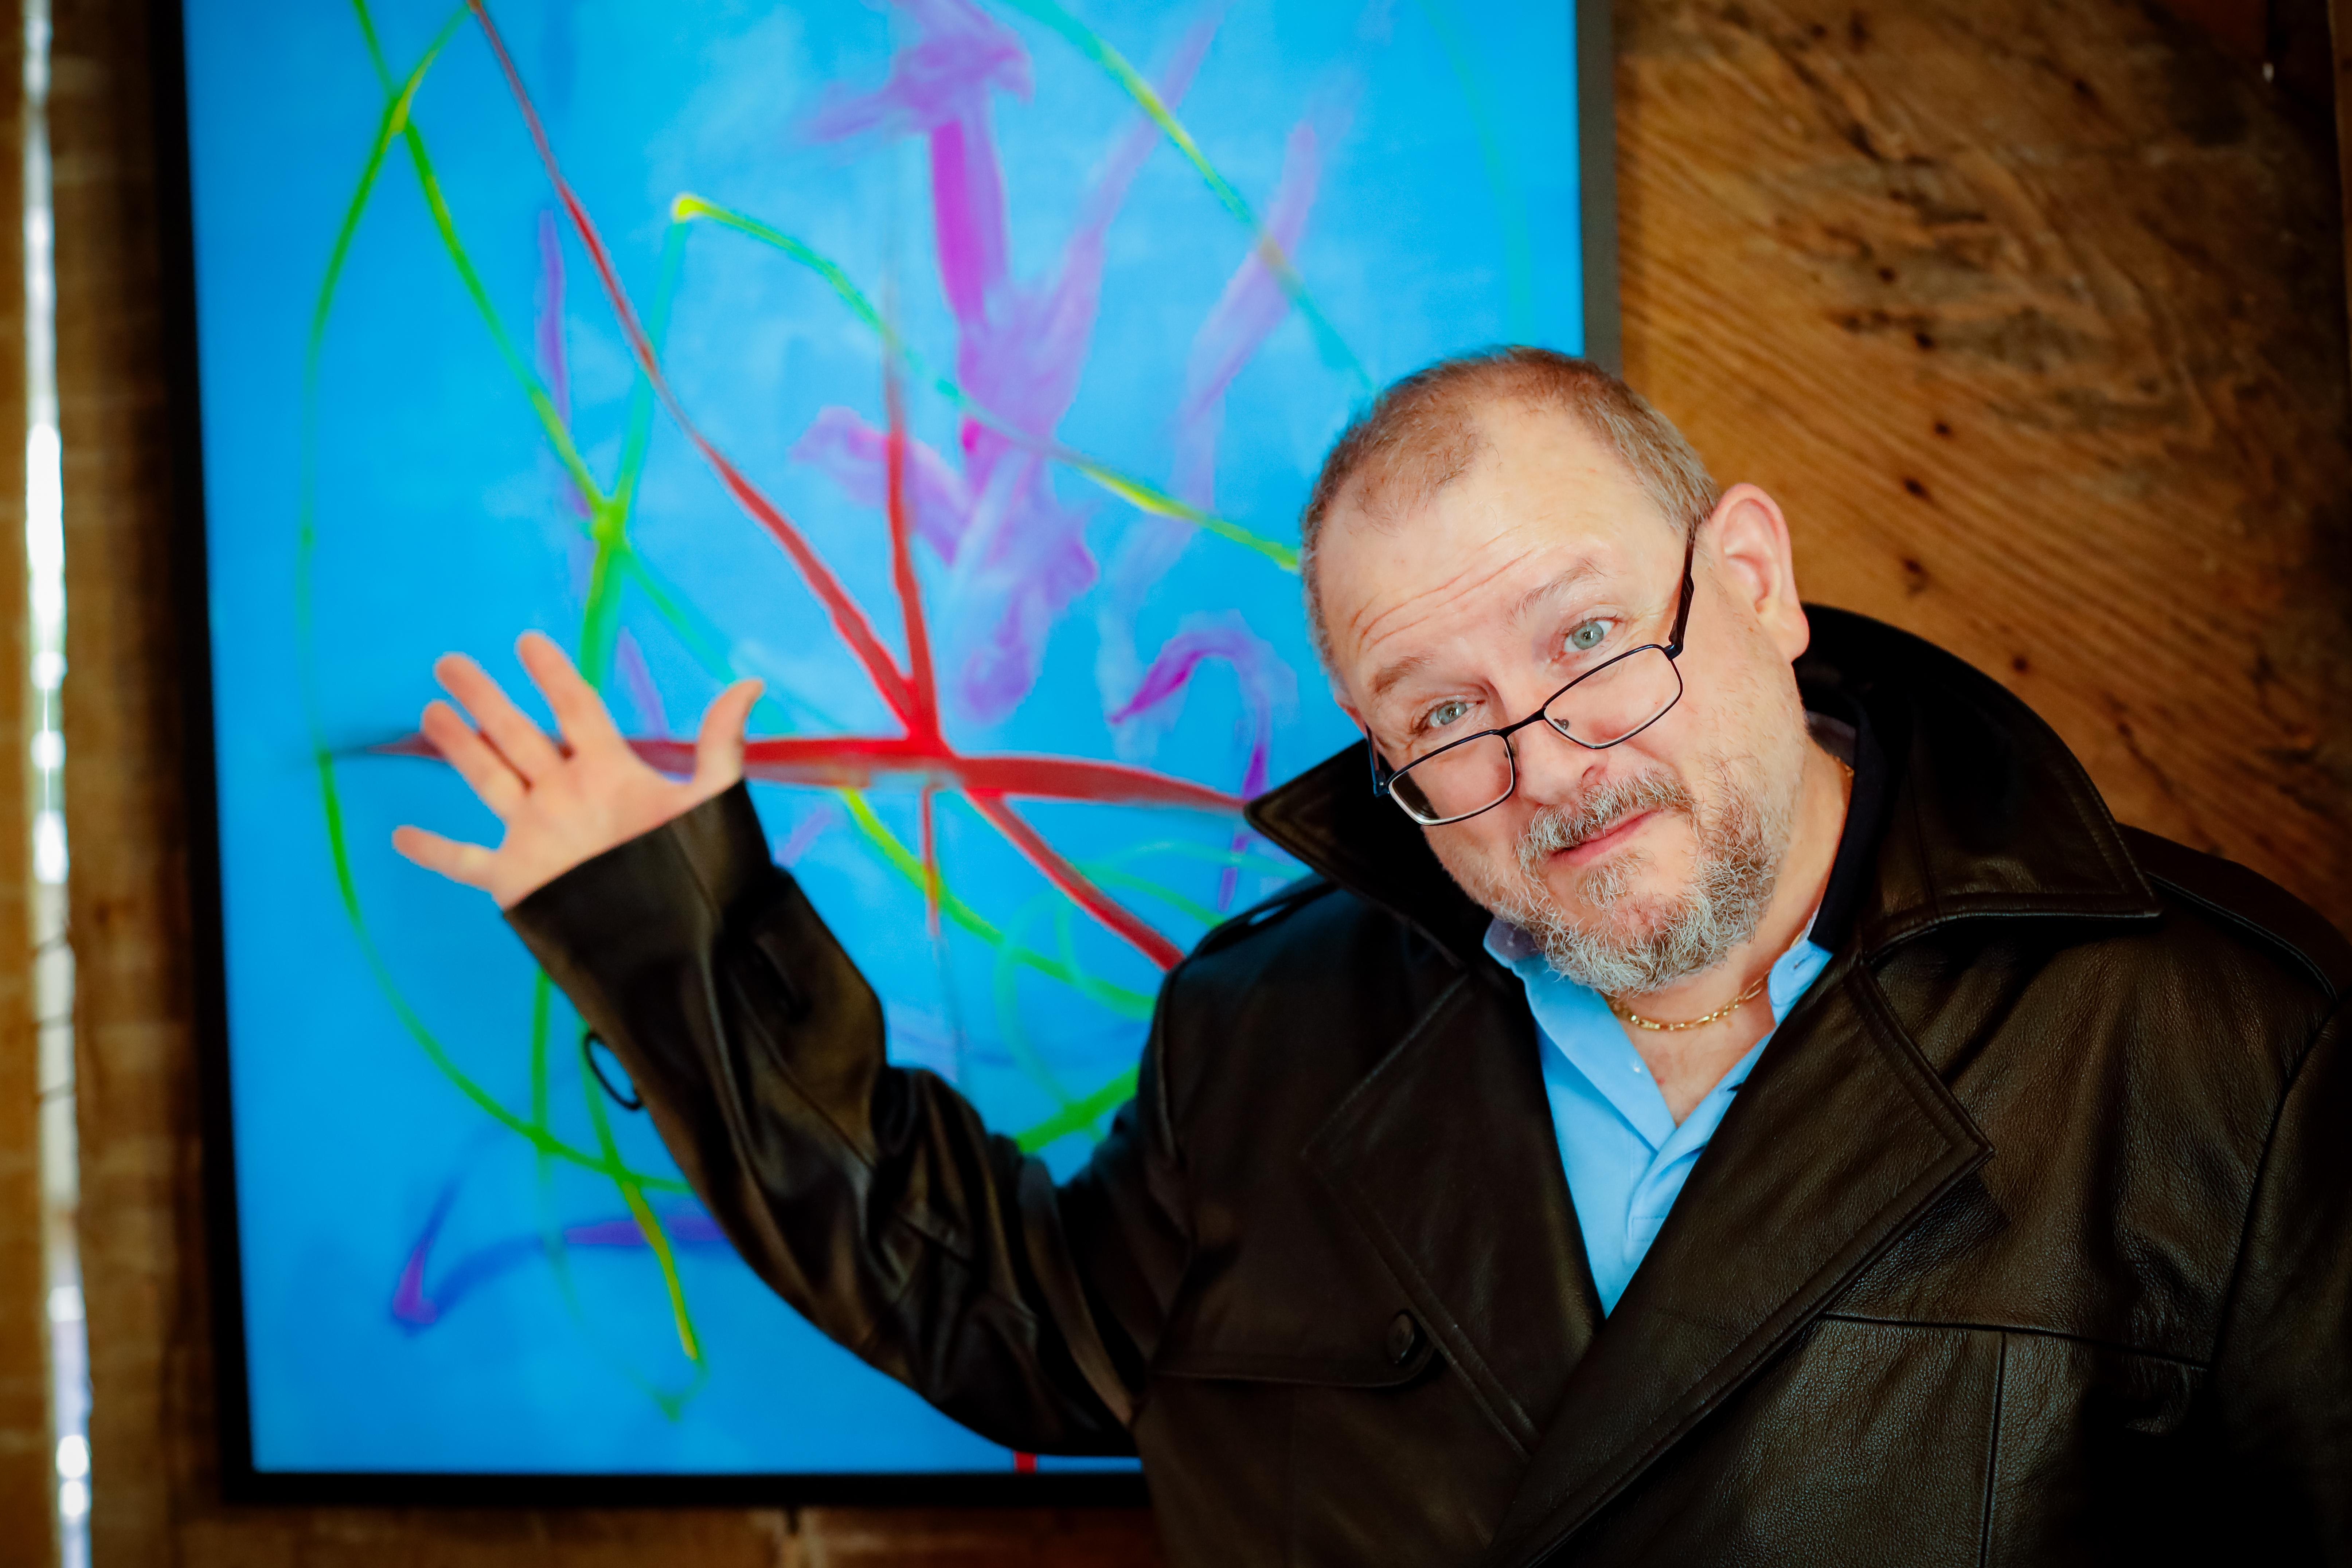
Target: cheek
1477, 853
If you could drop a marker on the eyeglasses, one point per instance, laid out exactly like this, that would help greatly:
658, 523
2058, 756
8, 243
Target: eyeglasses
1603, 707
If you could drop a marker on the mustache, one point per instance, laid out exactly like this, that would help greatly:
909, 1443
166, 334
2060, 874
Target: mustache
1597, 812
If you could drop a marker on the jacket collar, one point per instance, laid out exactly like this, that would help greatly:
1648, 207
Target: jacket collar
1987, 814
1843, 1137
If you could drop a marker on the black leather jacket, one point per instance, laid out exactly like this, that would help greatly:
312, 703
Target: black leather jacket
2029, 1241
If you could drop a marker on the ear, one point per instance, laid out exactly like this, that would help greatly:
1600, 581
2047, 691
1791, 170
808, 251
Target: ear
1749, 548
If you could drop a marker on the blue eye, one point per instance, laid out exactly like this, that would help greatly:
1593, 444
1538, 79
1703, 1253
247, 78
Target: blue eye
1589, 636
1444, 713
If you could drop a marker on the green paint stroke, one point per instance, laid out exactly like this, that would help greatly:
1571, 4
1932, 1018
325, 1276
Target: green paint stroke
1510, 206
1079, 1115
618, 564
1094, 47
1138, 493
400, 97
649, 1223
1118, 999
559, 436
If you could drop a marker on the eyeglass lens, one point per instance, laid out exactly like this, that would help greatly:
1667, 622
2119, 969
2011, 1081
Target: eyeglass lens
1613, 702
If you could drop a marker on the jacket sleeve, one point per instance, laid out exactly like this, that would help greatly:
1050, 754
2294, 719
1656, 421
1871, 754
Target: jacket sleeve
2282, 1379
870, 1197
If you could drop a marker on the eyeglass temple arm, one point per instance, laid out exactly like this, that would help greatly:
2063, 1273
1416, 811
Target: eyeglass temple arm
1682, 615
1372, 754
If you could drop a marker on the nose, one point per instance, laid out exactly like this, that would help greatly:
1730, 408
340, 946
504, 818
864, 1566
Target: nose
1553, 769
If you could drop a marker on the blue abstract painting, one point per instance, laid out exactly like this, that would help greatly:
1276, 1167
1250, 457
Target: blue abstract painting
958, 367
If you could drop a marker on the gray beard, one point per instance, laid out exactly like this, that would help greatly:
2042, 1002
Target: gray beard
1632, 945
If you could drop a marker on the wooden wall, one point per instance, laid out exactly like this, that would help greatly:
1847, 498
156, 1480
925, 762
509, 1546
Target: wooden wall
27, 1473
2029, 311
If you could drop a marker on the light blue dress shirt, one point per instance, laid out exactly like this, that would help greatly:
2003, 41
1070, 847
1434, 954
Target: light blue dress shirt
1625, 1157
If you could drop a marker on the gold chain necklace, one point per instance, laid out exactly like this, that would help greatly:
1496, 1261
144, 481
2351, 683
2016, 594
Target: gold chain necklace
1656, 1026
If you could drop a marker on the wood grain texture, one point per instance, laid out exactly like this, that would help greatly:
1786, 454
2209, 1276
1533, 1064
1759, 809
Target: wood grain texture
27, 1464
2030, 312
2339, 77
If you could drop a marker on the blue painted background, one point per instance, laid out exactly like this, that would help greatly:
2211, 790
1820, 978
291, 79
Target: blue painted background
424, 1291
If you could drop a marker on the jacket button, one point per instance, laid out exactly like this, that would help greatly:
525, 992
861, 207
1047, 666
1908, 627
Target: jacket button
1404, 1337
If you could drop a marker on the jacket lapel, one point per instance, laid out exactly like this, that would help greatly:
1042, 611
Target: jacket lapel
1446, 1157
1330, 818
1840, 1139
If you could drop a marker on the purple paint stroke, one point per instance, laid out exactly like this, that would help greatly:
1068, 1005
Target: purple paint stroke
1252, 304
644, 695
415, 1311
409, 1305
548, 339
1016, 556
852, 454
1267, 688
939, 88
1246, 313
805, 833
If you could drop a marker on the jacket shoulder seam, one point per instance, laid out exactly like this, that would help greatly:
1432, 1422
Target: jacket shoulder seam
2173, 880
1266, 912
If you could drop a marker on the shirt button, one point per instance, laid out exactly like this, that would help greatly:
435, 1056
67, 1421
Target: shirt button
1404, 1337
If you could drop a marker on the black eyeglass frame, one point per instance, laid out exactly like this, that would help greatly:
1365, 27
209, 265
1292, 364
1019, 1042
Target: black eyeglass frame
1385, 776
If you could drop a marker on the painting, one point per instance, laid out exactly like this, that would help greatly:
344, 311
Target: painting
957, 368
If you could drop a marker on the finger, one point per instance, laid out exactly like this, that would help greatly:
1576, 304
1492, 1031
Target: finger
484, 769
579, 711
510, 729
468, 863
719, 747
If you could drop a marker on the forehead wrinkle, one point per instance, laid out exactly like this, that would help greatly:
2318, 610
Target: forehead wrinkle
1581, 570
1454, 587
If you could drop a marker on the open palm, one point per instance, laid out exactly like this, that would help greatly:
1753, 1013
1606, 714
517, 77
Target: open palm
561, 804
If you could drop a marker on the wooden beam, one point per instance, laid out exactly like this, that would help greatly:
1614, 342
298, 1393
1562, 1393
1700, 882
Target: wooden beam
2340, 38
2032, 316
27, 1463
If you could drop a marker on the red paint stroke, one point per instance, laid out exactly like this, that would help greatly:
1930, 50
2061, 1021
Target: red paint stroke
852, 762
1072, 884
847, 618
856, 762
1024, 1464
926, 721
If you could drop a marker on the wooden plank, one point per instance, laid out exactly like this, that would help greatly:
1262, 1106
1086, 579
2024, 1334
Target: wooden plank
2032, 314
27, 1463
2339, 62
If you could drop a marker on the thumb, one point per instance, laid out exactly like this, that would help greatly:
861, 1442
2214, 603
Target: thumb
719, 747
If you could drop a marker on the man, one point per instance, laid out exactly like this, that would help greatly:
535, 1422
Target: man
1727, 1093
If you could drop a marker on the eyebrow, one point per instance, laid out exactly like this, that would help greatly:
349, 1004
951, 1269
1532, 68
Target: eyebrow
1390, 675
1579, 571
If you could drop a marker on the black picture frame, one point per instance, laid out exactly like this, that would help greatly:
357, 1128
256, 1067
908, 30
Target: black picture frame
240, 1482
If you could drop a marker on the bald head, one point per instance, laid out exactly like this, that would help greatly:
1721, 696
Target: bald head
1425, 431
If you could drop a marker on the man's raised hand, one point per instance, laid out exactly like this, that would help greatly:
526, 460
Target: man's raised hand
562, 805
